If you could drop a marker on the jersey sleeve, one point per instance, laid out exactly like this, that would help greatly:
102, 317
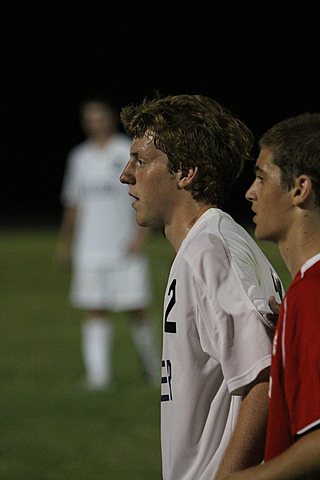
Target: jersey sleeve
230, 326
301, 356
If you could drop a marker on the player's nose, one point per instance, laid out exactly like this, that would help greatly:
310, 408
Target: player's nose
251, 193
127, 174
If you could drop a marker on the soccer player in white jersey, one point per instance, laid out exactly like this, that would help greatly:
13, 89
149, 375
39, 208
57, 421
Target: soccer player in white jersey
186, 153
110, 269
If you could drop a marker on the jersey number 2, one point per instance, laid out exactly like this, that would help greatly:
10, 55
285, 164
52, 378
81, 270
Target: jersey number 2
170, 327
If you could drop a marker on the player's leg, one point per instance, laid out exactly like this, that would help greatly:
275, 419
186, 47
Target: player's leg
88, 294
97, 349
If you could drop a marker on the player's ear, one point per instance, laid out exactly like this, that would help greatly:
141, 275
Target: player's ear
186, 179
302, 190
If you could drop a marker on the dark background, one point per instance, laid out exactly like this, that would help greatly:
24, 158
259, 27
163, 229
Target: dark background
259, 59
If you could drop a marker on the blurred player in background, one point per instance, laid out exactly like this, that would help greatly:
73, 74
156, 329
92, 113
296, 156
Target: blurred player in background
285, 198
98, 229
186, 153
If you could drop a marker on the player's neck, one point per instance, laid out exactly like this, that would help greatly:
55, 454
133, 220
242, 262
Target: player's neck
101, 140
183, 221
300, 245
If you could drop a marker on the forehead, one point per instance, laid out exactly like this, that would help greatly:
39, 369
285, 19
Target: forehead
145, 147
265, 160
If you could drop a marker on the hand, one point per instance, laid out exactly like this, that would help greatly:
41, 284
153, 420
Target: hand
275, 307
138, 243
134, 247
63, 255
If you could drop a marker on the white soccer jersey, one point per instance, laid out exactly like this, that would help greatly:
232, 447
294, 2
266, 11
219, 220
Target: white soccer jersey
105, 222
214, 344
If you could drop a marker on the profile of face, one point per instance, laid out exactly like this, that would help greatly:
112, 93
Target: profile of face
271, 203
96, 120
153, 188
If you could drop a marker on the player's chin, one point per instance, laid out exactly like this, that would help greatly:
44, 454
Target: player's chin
257, 232
256, 227
141, 220
145, 220
257, 235
261, 234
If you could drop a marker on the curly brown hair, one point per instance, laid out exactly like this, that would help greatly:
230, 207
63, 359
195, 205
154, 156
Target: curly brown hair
194, 131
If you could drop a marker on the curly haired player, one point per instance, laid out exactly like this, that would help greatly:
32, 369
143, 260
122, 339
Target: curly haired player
186, 153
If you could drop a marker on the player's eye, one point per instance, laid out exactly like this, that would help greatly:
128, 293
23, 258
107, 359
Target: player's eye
140, 162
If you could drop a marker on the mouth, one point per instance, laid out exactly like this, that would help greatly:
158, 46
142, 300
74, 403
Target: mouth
135, 199
254, 215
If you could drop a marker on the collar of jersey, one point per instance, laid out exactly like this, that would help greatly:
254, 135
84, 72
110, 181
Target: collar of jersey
309, 263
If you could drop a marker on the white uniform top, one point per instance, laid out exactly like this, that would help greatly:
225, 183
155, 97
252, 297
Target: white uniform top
105, 222
215, 342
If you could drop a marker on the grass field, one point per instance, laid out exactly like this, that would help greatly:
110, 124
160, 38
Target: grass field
50, 429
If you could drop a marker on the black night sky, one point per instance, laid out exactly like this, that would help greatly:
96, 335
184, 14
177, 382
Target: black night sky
259, 59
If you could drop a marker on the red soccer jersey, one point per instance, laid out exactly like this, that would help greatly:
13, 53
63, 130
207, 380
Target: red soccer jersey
295, 371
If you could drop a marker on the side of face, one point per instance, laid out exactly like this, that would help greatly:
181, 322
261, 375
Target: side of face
271, 203
154, 190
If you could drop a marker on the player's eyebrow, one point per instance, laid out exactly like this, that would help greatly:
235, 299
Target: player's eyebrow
134, 155
258, 169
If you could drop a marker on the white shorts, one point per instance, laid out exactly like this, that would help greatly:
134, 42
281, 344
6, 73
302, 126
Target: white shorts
119, 288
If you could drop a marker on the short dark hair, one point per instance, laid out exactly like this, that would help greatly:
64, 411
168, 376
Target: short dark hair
194, 131
295, 146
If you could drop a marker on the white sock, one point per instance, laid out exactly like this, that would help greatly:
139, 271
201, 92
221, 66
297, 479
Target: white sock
96, 350
143, 338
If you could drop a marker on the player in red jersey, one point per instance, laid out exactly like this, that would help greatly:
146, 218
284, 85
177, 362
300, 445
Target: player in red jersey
285, 198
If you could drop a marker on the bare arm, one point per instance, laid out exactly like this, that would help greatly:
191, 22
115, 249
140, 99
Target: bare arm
66, 235
246, 446
300, 462
138, 243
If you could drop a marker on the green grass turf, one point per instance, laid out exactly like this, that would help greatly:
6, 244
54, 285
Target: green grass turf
49, 428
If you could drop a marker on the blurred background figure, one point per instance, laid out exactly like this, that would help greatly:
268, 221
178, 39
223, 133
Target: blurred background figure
99, 235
